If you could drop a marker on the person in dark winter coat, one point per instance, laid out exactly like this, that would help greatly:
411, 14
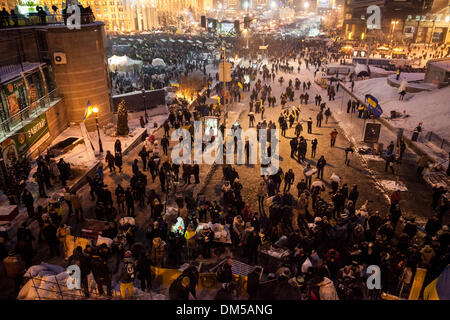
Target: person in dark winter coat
101, 274
179, 289
144, 272
224, 274
49, 232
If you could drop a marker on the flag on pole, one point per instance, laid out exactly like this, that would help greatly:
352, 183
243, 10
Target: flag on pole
88, 110
174, 84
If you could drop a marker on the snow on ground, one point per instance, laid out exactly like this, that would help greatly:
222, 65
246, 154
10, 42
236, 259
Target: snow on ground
393, 185
80, 157
430, 107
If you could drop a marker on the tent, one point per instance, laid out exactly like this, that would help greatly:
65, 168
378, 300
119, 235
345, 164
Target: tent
158, 62
439, 288
123, 63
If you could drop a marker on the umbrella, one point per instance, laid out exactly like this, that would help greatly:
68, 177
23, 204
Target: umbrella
180, 40
199, 42
158, 62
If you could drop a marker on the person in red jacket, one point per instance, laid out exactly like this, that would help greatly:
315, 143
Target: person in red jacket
333, 136
396, 197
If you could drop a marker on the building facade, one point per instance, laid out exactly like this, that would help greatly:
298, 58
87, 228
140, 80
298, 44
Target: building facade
400, 19
48, 73
137, 15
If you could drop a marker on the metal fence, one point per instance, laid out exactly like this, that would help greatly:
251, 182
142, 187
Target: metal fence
50, 19
58, 290
19, 119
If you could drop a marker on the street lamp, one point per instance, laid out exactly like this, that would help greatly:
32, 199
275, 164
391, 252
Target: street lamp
145, 107
95, 110
246, 35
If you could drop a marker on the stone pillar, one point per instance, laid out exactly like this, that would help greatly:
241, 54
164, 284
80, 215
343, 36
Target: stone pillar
85, 76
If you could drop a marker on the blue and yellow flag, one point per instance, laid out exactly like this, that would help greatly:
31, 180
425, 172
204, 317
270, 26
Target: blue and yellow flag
174, 84
240, 85
439, 288
88, 111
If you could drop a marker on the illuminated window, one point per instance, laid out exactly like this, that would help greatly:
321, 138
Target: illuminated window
409, 17
417, 18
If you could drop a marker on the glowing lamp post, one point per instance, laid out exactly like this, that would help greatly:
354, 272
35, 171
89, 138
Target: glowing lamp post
95, 110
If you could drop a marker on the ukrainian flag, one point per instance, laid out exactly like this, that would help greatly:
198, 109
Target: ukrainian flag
240, 85
88, 111
174, 84
439, 288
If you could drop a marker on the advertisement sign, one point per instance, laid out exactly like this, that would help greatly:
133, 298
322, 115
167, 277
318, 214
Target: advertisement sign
211, 126
372, 132
14, 93
224, 72
227, 29
325, 4
25, 138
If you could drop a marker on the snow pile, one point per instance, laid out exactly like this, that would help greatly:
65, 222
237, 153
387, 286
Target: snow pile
393, 185
431, 107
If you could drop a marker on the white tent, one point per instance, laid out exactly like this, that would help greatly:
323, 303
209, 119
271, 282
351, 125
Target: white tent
158, 62
123, 63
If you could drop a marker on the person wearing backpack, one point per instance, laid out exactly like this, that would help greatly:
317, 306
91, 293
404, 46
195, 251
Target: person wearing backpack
127, 276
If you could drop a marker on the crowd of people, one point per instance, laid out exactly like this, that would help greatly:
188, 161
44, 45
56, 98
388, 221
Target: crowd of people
181, 59
329, 243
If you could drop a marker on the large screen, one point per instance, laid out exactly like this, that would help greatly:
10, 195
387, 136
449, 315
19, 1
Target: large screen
227, 29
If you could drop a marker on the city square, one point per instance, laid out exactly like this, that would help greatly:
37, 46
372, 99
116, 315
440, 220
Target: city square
224, 150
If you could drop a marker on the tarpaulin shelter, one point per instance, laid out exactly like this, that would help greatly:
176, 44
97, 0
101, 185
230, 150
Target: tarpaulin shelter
158, 62
123, 63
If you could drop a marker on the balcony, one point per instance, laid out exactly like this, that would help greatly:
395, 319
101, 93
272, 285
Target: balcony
24, 116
